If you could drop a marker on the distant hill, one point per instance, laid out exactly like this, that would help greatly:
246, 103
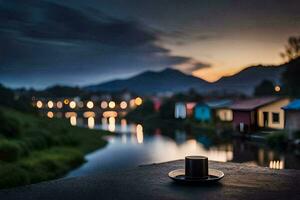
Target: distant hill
168, 80
246, 80
171, 80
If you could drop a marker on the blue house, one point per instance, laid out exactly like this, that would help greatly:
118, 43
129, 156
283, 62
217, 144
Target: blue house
203, 112
292, 117
214, 109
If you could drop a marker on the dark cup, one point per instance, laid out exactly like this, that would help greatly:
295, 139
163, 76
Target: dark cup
196, 167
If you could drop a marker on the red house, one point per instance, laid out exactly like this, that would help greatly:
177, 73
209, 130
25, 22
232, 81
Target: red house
245, 113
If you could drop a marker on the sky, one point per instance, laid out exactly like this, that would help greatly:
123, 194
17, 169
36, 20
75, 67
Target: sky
75, 42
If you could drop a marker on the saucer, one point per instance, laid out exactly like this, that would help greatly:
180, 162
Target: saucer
178, 175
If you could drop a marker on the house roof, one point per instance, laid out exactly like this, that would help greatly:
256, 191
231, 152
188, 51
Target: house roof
252, 104
294, 105
220, 104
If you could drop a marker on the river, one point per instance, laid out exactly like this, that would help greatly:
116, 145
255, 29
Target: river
130, 147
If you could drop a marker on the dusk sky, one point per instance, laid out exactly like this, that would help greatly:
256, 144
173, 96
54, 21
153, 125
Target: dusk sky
76, 42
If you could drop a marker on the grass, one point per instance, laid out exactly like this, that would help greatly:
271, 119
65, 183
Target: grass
34, 149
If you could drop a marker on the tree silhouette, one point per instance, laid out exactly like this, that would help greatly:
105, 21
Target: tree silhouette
292, 49
265, 88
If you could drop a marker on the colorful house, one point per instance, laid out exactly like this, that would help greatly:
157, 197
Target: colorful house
292, 117
266, 112
203, 112
215, 109
221, 110
180, 110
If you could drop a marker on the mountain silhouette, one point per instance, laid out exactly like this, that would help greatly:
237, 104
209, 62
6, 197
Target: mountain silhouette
172, 80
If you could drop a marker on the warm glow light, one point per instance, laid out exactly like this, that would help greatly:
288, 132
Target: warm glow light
50, 114
139, 134
70, 114
138, 101
50, 104
73, 120
279, 164
111, 124
123, 125
39, 104
66, 101
131, 103
123, 105
277, 88
72, 104
112, 104
104, 104
89, 114
90, 104
59, 104
108, 114
91, 122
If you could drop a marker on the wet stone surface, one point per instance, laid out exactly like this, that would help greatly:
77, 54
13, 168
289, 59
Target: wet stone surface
152, 182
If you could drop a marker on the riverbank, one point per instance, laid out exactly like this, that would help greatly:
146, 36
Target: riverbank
35, 149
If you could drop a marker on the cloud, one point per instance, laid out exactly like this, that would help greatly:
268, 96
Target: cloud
46, 43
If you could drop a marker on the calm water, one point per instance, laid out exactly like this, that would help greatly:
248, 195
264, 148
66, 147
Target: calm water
132, 147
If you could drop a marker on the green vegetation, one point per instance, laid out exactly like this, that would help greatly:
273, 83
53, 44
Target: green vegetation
265, 88
34, 149
277, 139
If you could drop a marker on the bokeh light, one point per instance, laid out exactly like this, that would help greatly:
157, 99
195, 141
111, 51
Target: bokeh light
123, 105
50, 114
72, 104
104, 105
138, 101
50, 104
39, 104
90, 104
112, 104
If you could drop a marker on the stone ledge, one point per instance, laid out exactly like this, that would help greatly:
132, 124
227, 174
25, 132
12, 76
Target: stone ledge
152, 182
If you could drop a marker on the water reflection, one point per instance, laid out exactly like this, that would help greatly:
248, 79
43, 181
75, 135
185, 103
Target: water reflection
91, 122
140, 147
139, 134
279, 164
112, 124
73, 120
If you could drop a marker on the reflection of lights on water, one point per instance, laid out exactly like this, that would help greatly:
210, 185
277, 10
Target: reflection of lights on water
229, 155
72, 104
104, 123
91, 122
70, 114
108, 114
59, 104
104, 105
123, 125
66, 101
277, 88
50, 114
90, 104
88, 114
139, 133
73, 120
124, 139
50, 104
39, 104
123, 105
111, 124
138, 101
279, 164
111, 104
